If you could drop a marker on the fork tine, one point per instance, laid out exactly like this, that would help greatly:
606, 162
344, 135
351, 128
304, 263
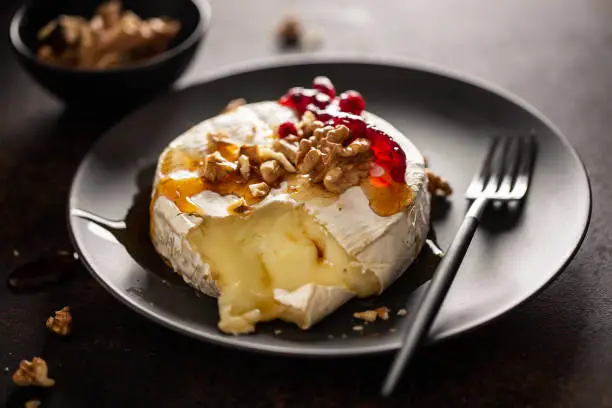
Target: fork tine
511, 160
497, 166
528, 152
481, 177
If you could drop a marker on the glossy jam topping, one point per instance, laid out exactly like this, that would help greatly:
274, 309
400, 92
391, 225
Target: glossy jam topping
287, 128
346, 110
351, 102
324, 84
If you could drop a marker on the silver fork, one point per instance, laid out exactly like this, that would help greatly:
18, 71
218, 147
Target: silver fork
504, 177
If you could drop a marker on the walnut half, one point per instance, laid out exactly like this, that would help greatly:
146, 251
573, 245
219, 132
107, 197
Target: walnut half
61, 323
33, 373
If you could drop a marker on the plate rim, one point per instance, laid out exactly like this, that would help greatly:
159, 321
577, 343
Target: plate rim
323, 58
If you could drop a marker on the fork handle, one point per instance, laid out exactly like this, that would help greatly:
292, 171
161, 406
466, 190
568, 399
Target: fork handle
424, 315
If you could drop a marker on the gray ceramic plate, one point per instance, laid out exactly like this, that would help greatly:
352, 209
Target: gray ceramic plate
449, 118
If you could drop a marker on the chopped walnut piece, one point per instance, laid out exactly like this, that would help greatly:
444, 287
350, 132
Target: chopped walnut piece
61, 323
252, 152
234, 104
217, 141
289, 150
311, 160
322, 132
303, 148
338, 134
259, 190
33, 373
383, 313
32, 404
216, 167
402, 312
340, 179
245, 166
437, 185
239, 206
368, 315
270, 171
332, 180
371, 315
308, 124
332, 150
356, 147
269, 154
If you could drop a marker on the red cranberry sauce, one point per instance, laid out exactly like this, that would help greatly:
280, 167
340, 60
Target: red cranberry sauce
287, 128
346, 109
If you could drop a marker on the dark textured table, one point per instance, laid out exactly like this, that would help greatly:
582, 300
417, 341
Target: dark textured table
553, 351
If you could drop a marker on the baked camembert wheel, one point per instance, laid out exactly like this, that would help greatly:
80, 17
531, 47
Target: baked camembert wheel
287, 209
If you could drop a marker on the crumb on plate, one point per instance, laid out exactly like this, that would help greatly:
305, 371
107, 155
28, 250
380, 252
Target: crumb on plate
371, 315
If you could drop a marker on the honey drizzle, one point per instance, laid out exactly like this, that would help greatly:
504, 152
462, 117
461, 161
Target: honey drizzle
180, 190
228, 150
385, 199
301, 189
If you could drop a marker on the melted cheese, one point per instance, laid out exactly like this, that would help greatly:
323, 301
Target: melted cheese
279, 248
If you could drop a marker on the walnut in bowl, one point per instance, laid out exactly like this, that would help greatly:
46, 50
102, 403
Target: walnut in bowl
62, 57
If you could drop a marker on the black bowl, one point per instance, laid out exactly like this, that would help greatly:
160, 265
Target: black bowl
115, 85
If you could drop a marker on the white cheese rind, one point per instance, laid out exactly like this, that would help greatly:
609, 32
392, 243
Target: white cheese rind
385, 246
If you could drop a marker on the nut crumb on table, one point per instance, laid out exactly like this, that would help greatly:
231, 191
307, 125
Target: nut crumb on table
290, 31
32, 404
33, 373
61, 323
402, 312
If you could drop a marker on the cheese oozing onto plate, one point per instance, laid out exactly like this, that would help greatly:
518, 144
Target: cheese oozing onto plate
299, 253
